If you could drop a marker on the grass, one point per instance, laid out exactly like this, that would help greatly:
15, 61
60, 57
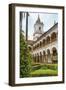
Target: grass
44, 70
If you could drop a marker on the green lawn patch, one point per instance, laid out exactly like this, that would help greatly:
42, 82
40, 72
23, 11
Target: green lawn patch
41, 72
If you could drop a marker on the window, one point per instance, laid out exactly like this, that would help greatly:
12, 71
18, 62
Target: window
39, 28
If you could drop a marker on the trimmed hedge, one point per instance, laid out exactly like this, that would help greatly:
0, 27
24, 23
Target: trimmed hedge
45, 66
44, 70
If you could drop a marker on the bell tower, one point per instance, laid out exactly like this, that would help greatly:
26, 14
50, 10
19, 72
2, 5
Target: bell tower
38, 29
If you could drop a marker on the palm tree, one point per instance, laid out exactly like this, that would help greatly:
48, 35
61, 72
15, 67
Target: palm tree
24, 15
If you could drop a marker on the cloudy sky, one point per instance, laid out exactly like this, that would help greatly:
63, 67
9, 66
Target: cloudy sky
48, 20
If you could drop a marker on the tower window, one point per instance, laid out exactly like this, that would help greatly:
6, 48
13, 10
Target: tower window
39, 28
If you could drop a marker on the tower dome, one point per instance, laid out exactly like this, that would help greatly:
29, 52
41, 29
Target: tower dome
38, 20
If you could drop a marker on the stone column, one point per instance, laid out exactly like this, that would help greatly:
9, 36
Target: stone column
46, 58
39, 59
51, 58
35, 59
42, 58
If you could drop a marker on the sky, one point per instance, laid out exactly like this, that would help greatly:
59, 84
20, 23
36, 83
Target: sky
48, 20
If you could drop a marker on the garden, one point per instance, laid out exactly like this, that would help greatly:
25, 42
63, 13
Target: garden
44, 70
30, 69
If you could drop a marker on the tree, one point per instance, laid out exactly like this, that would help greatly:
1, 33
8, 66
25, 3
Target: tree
25, 57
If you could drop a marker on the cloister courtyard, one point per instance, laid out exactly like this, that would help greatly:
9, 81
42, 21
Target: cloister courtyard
41, 57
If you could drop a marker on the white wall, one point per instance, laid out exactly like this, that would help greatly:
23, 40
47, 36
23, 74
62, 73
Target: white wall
49, 46
4, 45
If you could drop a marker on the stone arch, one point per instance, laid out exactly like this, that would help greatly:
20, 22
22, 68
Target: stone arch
53, 36
44, 53
49, 56
33, 47
55, 55
37, 57
47, 39
33, 58
36, 46
40, 43
30, 47
44, 56
40, 57
54, 50
43, 42
48, 51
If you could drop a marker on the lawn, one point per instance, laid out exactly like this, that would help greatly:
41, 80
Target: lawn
44, 70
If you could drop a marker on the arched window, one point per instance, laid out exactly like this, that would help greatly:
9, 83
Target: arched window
39, 28
53, 36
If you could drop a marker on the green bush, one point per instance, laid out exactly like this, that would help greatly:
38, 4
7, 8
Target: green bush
45, 66
52, 66
36, 67
44, 70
